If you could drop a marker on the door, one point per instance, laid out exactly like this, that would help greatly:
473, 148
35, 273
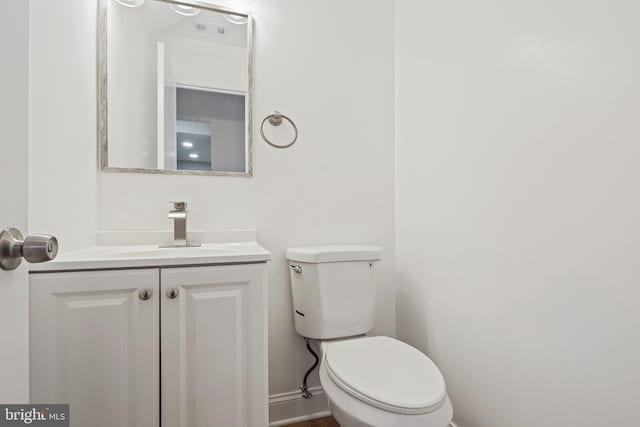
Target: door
214, 346
95, 345
14, 295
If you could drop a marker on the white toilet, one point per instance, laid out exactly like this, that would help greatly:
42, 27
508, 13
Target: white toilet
370, 381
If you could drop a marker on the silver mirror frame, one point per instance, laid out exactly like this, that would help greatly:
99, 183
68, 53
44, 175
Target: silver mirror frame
103, 119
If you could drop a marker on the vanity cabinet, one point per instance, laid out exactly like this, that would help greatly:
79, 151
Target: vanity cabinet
94, 345
214, 347
177, 347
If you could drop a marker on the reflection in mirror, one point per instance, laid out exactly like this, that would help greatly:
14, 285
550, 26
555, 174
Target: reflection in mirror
174, 89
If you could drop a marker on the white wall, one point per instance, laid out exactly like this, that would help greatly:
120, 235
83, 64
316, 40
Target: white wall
334, 186
62, 121
517, 206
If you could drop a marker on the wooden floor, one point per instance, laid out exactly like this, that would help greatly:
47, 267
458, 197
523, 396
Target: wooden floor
323, 422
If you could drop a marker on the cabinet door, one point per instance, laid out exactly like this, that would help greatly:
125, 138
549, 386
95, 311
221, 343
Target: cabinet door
214, 347
95, 344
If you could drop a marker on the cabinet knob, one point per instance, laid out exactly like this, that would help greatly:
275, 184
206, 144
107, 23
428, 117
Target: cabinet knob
145, 294
172, 293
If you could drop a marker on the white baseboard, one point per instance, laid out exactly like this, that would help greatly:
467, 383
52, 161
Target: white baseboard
291, 408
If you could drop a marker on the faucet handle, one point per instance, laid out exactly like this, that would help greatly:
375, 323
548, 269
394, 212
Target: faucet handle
179, 206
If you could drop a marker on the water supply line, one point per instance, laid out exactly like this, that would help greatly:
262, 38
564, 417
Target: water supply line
306, 394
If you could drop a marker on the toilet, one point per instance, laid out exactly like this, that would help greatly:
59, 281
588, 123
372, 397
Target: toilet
369, 381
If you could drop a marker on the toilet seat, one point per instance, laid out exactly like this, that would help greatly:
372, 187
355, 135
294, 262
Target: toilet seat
387, 374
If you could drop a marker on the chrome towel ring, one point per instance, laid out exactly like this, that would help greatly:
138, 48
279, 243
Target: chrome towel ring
276, 119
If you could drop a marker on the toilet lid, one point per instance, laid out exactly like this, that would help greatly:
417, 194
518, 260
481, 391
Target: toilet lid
387, 374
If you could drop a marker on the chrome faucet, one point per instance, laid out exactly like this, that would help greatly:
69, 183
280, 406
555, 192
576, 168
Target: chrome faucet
179, 216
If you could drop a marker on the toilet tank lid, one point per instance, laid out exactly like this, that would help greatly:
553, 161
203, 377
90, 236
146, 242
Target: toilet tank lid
336, 253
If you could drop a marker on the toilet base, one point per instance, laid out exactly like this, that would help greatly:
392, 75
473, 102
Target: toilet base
439, 420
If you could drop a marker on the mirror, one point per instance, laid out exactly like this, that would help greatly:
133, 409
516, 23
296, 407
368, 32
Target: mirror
174, 88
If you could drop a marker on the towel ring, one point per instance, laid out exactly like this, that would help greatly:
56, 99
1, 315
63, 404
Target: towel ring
276, 119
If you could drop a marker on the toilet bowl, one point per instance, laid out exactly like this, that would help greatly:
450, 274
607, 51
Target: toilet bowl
382, 382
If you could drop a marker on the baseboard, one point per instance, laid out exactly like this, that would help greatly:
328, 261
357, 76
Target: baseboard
291, 408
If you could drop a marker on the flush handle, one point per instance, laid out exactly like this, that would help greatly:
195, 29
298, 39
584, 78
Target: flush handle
295, 268
35, 248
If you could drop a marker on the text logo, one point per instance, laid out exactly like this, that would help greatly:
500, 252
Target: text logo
34, 415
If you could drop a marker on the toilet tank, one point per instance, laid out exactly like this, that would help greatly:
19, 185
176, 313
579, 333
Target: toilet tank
333, 289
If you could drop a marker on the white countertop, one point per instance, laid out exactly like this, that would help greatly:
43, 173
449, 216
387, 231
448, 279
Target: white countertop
151, 255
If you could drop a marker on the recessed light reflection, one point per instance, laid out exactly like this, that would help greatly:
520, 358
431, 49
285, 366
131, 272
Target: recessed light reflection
184, 10
194, 155
236, 19
131, 3
239, 2
187, 144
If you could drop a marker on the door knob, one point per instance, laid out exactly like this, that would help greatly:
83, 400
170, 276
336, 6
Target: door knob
172, 293
35, 248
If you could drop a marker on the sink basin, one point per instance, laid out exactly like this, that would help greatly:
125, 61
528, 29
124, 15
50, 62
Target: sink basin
137, 256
